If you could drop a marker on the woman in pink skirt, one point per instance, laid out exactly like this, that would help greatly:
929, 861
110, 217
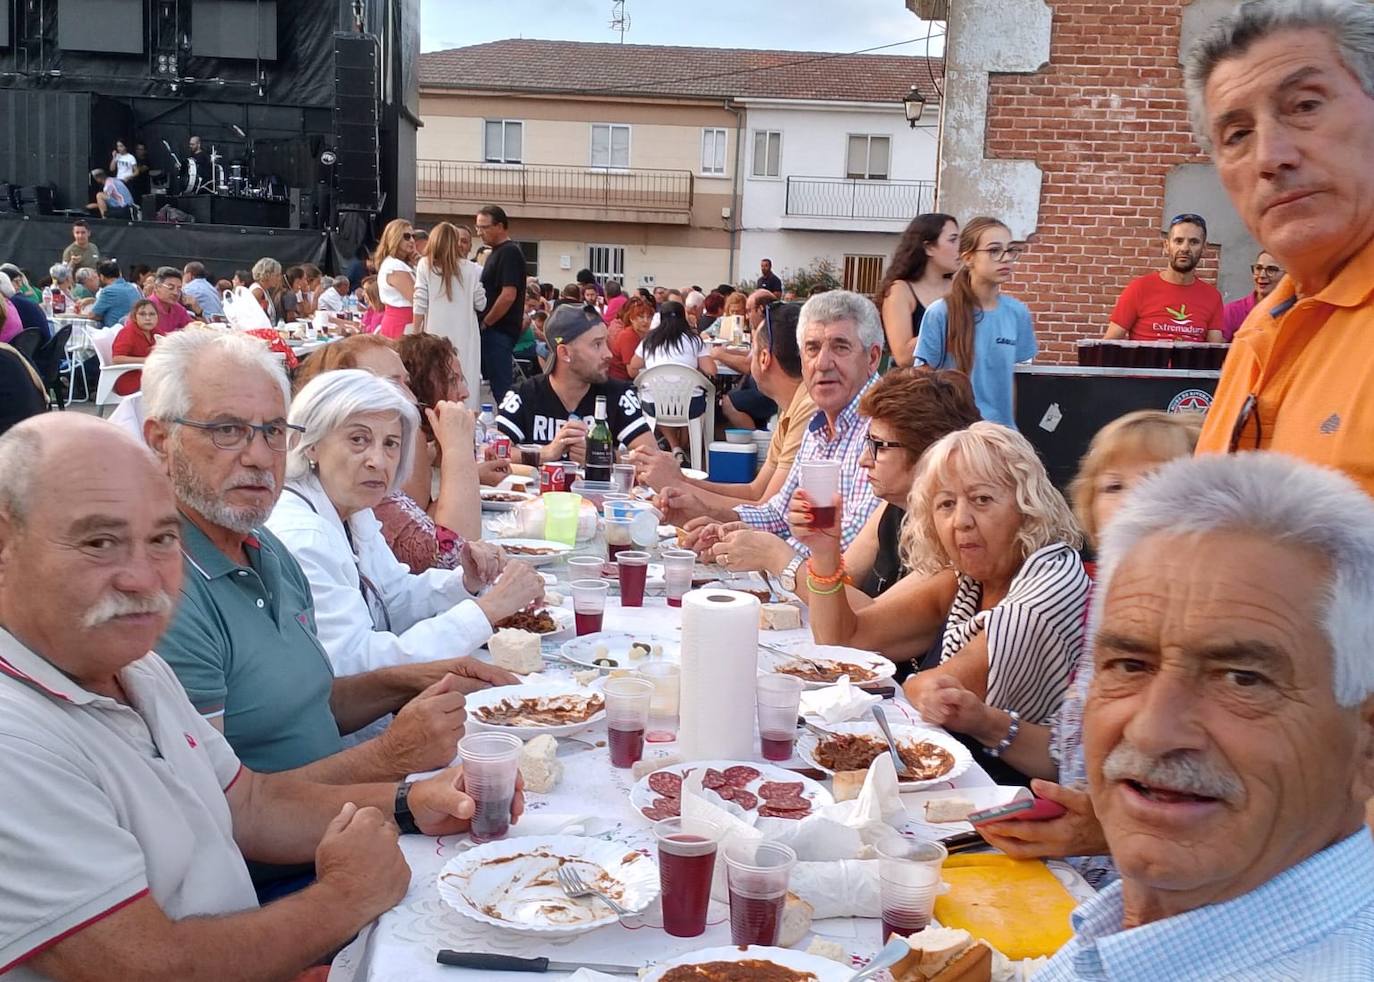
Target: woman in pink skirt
394, 258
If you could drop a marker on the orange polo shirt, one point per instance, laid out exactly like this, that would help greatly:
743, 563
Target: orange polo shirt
1310, 363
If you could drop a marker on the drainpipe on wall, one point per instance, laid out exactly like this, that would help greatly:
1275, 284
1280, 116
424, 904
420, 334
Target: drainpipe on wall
735, 184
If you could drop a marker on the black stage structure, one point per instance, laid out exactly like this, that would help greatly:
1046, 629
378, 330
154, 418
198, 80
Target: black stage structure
310, 108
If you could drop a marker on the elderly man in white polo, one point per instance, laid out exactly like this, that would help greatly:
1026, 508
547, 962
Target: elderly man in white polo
126, 815
1229, 729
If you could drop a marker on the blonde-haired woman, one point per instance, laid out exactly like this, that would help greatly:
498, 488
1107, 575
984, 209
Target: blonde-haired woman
995, 580
448, 294
267, 286
394, 257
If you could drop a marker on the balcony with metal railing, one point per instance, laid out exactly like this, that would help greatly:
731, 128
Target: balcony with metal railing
831, 202
557, 191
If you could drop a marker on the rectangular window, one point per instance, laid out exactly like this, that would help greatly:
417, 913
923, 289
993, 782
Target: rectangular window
713, 143
607, 262
862, 274
531, 253
504, 141
767, 153
611, 145
868, 157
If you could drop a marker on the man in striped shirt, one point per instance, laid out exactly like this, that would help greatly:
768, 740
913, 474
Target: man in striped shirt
841, 341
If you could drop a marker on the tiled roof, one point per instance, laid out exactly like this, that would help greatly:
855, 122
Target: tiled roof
523, 65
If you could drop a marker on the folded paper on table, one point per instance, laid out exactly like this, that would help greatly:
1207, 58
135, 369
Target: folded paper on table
1015, 905
719, 655
839, 702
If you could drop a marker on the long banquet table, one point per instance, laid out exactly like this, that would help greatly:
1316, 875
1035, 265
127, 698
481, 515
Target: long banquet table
592, 799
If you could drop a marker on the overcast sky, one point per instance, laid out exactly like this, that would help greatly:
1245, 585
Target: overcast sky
798, 25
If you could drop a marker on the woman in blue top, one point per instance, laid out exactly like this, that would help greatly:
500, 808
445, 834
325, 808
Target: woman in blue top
976, 328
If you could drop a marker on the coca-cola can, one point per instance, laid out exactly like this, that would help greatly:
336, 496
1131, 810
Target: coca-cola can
551, 477
500, 447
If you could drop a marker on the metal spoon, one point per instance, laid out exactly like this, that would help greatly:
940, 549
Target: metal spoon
890, 954
897, 761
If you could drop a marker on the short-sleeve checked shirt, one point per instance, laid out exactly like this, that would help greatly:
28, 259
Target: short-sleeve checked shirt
1313, 921
846, 444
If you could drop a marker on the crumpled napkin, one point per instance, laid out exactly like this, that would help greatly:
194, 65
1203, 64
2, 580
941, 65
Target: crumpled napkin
551, 823
839, 702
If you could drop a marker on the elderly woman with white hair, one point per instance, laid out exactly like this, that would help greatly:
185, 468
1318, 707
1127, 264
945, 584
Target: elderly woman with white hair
996, 585
57, 295
268, 282
356, 445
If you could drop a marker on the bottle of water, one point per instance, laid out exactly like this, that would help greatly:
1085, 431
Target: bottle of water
485, 429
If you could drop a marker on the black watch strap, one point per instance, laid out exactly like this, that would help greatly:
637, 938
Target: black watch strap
405, 821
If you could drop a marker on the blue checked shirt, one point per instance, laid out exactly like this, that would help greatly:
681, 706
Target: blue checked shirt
1314, 921
846, 446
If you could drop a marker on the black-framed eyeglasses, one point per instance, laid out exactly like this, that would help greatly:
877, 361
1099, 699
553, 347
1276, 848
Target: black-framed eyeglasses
1270, 271
874, 445
235, 435
999, 252
1248, 410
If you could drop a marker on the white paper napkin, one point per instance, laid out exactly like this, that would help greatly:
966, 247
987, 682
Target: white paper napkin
550, 823
839, 702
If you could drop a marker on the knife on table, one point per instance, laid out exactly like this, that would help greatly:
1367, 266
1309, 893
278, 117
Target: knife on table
510, 963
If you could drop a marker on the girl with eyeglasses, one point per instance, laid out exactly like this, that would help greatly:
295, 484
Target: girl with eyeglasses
396, 277
976, 328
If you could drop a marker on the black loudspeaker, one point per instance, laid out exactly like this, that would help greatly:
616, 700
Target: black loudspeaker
357, 174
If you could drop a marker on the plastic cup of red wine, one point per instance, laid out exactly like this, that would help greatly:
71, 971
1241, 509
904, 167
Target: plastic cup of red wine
619, 537
757, 874
530, 454
778, 698
490, 761
589, 605
686, 860
820, 479
627, 717
909, 882
623, 477
677, 574
633, 567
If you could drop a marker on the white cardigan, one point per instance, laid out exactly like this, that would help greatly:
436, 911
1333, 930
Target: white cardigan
432, 614
455, 318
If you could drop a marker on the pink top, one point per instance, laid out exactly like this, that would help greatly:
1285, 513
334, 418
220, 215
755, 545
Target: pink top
372, 319
1234, 314
12, 325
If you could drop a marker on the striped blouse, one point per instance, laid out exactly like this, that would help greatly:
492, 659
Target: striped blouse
1035, 635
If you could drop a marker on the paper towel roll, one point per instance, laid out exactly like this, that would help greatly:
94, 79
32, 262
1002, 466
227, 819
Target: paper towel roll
720, 654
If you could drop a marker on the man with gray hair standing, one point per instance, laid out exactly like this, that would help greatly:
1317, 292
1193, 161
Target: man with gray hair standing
1229, 729
1282, 92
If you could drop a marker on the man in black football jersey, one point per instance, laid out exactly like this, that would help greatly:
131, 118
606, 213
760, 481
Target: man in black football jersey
550, 409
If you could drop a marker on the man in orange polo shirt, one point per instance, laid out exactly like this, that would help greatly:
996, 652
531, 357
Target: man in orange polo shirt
1292, 131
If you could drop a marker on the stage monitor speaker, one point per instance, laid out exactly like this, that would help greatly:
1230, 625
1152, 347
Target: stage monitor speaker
111, 26
357, 173
234, 29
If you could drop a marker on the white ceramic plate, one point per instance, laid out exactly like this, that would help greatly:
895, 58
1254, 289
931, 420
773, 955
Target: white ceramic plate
642, 796
530, 690
489, 496
557, 550
822, 968
522, 894
882, 669
694, 474
981, 797
582, 651
807, 742
563, 620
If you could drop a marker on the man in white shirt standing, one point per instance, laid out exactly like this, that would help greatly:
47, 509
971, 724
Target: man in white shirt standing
127, 816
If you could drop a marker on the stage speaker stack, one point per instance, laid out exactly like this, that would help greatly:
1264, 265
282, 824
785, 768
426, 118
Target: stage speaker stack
357, 172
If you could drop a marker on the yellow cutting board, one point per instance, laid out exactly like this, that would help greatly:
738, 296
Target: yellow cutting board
1015, 905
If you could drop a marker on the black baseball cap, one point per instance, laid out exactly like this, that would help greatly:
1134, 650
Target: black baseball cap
570, 321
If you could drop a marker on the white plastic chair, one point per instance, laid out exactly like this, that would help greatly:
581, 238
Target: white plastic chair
103, 343
78, 349
670, 388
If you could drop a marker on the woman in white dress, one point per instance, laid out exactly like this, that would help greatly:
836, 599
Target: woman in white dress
448, 295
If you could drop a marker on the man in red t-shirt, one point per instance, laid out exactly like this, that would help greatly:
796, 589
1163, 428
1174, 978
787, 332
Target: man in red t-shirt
1173, 304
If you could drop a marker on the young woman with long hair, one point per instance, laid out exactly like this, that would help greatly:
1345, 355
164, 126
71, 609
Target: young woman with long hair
917, 276
672, 341
396, 277
977, 329
448, 294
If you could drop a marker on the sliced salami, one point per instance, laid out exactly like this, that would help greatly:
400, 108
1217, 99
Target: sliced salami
791, 803
663, 808
713, 779
669, 784
769, 790
741, 775
745, 799
766, 812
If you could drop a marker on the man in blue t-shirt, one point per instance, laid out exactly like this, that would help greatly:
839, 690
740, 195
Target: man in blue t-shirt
116, 297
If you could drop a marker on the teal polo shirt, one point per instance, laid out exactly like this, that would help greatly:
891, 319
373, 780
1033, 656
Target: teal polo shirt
243, 644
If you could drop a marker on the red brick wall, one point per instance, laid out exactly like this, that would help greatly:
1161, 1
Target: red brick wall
1105, 120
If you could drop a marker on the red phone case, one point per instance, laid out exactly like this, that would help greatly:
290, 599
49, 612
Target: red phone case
1021, 810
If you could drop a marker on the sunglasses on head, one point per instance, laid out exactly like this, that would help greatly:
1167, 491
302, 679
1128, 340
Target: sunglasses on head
1188, 218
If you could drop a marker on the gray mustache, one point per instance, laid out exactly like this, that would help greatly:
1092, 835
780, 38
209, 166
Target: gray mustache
249, 478
117, 604
1184, 771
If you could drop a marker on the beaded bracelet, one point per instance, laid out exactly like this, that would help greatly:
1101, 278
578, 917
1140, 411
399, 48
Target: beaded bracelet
835, 577
814, 587
1012, 730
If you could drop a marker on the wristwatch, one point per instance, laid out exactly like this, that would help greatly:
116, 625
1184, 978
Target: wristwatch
400, 811
788, 576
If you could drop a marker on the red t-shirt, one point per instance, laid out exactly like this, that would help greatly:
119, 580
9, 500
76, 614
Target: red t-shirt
1152, 310
134, 343
171, 317
623, 347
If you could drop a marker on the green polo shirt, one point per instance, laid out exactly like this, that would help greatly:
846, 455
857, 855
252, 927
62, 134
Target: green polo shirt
243, 644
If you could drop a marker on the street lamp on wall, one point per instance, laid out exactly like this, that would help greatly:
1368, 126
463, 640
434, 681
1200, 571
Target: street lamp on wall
914, 103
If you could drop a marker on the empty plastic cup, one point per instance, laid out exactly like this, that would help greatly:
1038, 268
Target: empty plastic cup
561, 509
909, 882
490, 761
623, 477
586, 568
666, 677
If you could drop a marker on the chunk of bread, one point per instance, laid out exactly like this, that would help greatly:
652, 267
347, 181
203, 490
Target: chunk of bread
822, 948
845, 785
779, 617
539, 764
649, 765
931, 951
948, 809
796, 920
516, 651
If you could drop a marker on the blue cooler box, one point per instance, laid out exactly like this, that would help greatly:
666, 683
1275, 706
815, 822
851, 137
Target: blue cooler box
732, 463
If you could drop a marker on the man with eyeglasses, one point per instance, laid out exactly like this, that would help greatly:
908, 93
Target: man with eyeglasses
243, 642
172, 314
1172, 304
1283, 102
503, 281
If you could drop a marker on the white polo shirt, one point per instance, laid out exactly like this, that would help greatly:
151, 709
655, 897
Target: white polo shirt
103, 803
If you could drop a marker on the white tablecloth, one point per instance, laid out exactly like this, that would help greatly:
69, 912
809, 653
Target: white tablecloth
401, 946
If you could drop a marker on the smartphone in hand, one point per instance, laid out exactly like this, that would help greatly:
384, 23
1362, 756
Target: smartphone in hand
1021, 810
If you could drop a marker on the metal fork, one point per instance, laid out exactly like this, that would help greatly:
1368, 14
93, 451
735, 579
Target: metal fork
574, 886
